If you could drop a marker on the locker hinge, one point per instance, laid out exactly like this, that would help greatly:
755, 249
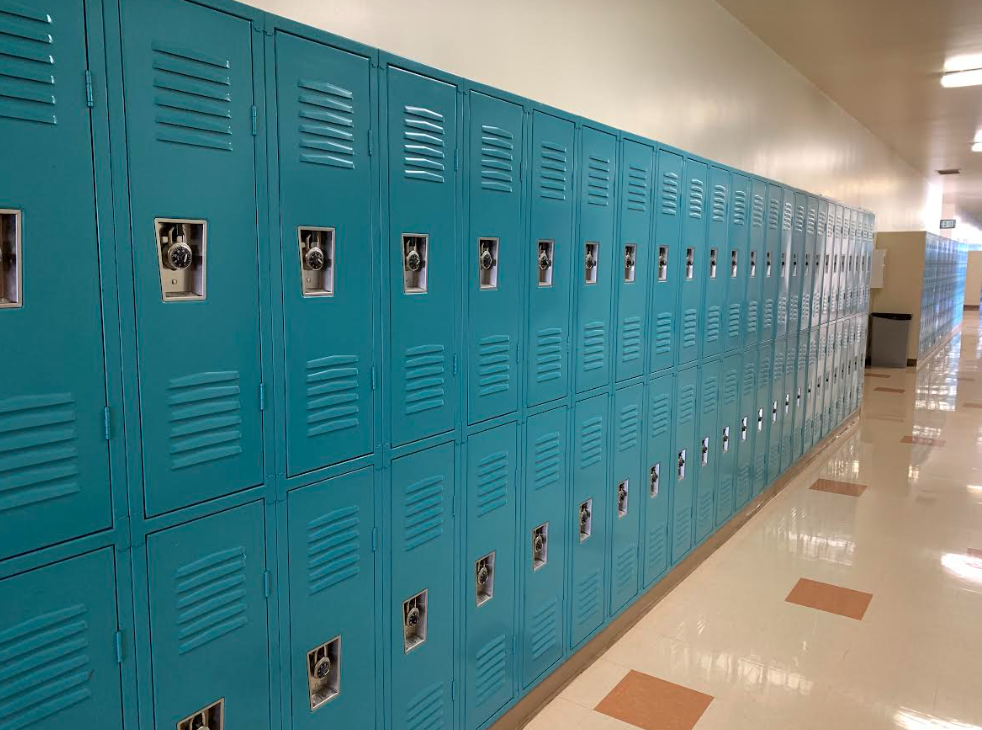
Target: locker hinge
518, 353
521, 171
118, 646
514, 644
267, 583
456, 159
262, 396
107, 422
374, 539
255, 120
455, 366
371, 142
89, 97
373, 377
453, 691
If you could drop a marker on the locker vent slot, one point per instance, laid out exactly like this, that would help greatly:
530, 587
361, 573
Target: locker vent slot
204, 417
193, 97
11, 258
598, 181
757, 214
637, 188
544, 631
690, 327
657, 547
687, 404
661, 410
493, 476
588, 600
625, 571
799, 219
749, 371
423, 153
714, 317
731, 387
630, 339
332, 394
710, 395
28, 66
491, 668
497, 159
44, 667
669, 193
425, 507
332, 549
787, 219
740, 208
548, 460
548, 354
494, 365
773, 215
752, 316
553, 171
540, 546
207, 718
591, 442
719, 204
628, 427
425, 366
697, 198
812, 221
38, 449
733, 321
664, 326
594, 345
324, 673
210, 598
327, 122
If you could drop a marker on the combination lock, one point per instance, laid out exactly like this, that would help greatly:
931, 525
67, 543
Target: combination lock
178, 255
487, 260
314, 259
323, 668
412, 616
584, 515
629, 258
538, 543
483, 575
414, 262
591, 261
544, 261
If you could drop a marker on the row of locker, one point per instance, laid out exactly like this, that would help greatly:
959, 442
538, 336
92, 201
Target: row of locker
943, 292
435, 593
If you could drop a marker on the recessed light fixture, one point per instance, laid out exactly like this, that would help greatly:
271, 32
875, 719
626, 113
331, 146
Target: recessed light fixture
963, 70
950, 171
977, 147
966, 62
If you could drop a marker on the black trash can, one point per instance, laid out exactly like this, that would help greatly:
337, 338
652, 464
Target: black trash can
889, 339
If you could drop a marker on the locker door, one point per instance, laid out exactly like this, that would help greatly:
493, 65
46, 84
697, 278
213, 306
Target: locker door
796, 263
776, 411
708, 450
684, 461
195, 250
589, 517
660, 463
825, 367
830, 378
808, 268
494, 300
488, 573
771, 267
827, 260
692, 264
422, 119
421, 585
818, 263
58, 668
634, 256
332, 602
595, 259
728, 436
550, 258
799, 402
735, 264
326, 247
717, 266
756, 265
626, 495
762, 416
837, 264
544, 543
664, 268
746, 430
783, 264
812, 418
195, 642
54, 459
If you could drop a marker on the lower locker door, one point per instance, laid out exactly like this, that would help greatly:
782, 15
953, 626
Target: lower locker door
762, 417
746, 430
626, 496
776, 412
707, 462
728, 437
683, 462
659, 464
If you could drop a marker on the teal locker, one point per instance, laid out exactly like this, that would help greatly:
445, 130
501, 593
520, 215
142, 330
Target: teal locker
627, 495
783, 263
420, 582
422, 184
195, 248
327, 207
488, 573
818, 262
58, 667
837, 256
736, 264
813, 396
717, 268
796, 264
331, 618
746, 430
827, 259
763, 415
544, 539
831, 378
825, 368
777, 411
756, 269
802, 374
808, 268
770, 284
692, 264
494, 258
595, 258
728, 436
684, 461
208, 613
664, 268
54, 456
707, 465
660, 464
550, 264
589, 513
795, 371
633, 276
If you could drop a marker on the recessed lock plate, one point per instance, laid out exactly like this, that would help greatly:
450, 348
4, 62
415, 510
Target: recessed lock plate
767, 264
704, 452
484, 579
208, 718
690, 262
324, 673
487, 262
591, 262
11, 278
544, 262
663, 263
654, 479
753, 264
630, 261
787, 402
826, 263
414, 621
743, 428
681, 465
807, 262
726, 439
774, 412
586, 520
760, 419
317, 261
182, 251
540, 546
734, 259
794, 265
797, 401
415, 254
712, 263
622, 495
784, 262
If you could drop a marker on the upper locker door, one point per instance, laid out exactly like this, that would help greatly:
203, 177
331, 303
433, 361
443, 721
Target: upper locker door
634, 255
664, 271
735, 264
818, 262
756, 247
808, 268
796, 266
326, 211
54, 458
770, 270
827, 258
189, 86
422, 136
596, 260
550, 258
494, 259
627, 495
691, 265
783, 265
716, 265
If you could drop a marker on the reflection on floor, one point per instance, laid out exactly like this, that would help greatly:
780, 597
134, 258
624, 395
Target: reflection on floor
888, 545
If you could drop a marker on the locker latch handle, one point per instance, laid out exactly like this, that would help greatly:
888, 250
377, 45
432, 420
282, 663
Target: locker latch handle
681, 465
705, 451
726, 439
774, 412
655, 478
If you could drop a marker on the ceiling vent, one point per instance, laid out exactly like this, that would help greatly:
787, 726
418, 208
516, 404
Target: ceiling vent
950, 171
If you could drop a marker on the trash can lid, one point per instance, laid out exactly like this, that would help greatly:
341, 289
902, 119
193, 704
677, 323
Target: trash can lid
892, 315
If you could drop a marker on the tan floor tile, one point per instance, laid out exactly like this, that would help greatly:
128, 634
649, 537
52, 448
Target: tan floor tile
975, 552
972, 405
595, 683
877, 375
836, 487
654, 704
922, 441
883, 389
830, 598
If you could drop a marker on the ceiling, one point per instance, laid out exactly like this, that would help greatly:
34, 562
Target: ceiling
881, 61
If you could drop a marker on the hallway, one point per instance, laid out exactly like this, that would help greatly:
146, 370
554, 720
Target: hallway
898, 523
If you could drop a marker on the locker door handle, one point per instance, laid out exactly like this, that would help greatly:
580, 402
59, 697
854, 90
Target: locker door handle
681, 465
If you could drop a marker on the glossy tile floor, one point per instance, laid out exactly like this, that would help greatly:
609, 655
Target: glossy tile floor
911, 540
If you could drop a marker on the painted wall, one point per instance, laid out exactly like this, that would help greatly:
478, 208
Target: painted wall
684, 72
973, 279
903, 280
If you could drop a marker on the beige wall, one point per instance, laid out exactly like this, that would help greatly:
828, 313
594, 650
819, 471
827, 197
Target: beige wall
973, 278
903, 280
684, 72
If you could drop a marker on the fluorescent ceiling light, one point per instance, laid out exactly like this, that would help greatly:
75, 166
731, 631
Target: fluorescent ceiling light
968, 62
977, 147
962, 78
